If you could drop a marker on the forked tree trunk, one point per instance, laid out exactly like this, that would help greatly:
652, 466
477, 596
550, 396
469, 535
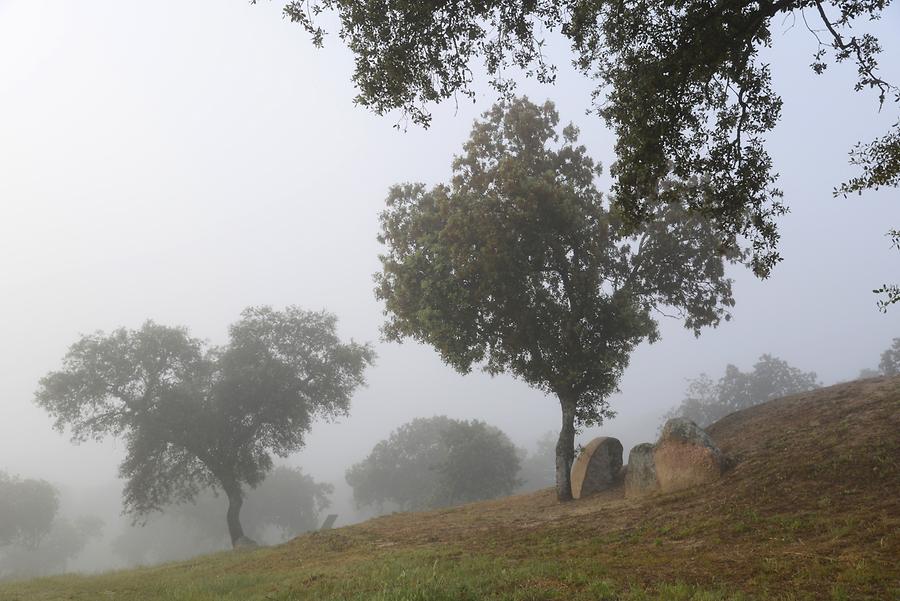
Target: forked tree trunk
235, 501
565, 451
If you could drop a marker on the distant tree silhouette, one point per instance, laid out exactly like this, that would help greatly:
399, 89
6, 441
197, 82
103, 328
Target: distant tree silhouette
890, 359
34, 539
436, 462
706, 401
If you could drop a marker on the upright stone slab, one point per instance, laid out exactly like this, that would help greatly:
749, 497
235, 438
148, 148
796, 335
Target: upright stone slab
598, 467
685, 456
640, 478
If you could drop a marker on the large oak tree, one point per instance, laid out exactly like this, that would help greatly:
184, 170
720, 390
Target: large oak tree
196, 416
518, 265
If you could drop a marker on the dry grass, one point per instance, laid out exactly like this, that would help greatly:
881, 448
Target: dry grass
809, 509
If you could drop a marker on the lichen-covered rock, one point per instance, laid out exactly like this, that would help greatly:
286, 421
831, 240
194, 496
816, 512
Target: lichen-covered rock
685, 456
640, 478
598, 467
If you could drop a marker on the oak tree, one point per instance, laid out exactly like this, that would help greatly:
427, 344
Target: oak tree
518, 265
196, 416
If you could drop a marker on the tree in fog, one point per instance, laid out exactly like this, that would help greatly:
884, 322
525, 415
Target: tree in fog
286, 503
686, 87
706, 401
537, 465
436, 462
27, 510
519, 266
195, 416
889, 365
890, 359
34, 539
401, 469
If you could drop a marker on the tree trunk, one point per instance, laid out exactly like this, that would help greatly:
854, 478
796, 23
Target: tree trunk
235, 501
565, 451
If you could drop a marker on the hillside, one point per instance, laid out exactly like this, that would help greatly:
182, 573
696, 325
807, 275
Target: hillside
810, 509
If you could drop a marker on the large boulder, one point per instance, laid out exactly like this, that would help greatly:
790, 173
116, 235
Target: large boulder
598, 467
685, 456
640, 477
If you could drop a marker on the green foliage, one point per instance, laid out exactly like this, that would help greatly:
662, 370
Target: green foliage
436, 462
519, 266
880, 162
681, 83
480, 462
890, 359
195, 416
706, 401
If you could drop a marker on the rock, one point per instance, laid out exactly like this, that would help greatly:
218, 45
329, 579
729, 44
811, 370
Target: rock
685, 456
640, 478
598, 467
245, 543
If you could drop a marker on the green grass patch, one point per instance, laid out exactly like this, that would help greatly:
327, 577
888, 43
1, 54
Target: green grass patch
435, 575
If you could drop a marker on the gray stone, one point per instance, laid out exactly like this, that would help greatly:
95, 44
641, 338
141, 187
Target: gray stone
598, 467
640, 478
685, 456
329, 521
245, 543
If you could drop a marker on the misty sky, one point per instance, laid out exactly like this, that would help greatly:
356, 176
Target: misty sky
179, 161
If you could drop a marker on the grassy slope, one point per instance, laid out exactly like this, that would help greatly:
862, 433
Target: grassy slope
809, 510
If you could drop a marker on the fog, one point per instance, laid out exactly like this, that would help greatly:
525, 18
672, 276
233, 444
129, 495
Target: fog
182, 161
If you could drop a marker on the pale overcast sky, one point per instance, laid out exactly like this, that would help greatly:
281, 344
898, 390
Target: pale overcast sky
182, 160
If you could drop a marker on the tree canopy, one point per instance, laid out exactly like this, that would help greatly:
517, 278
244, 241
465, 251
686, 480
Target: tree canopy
682, 85
706, 401
195, 416
436, 462
519, 266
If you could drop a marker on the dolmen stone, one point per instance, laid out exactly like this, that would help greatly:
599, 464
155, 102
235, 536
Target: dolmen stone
685, 456
598, 467
640, 477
